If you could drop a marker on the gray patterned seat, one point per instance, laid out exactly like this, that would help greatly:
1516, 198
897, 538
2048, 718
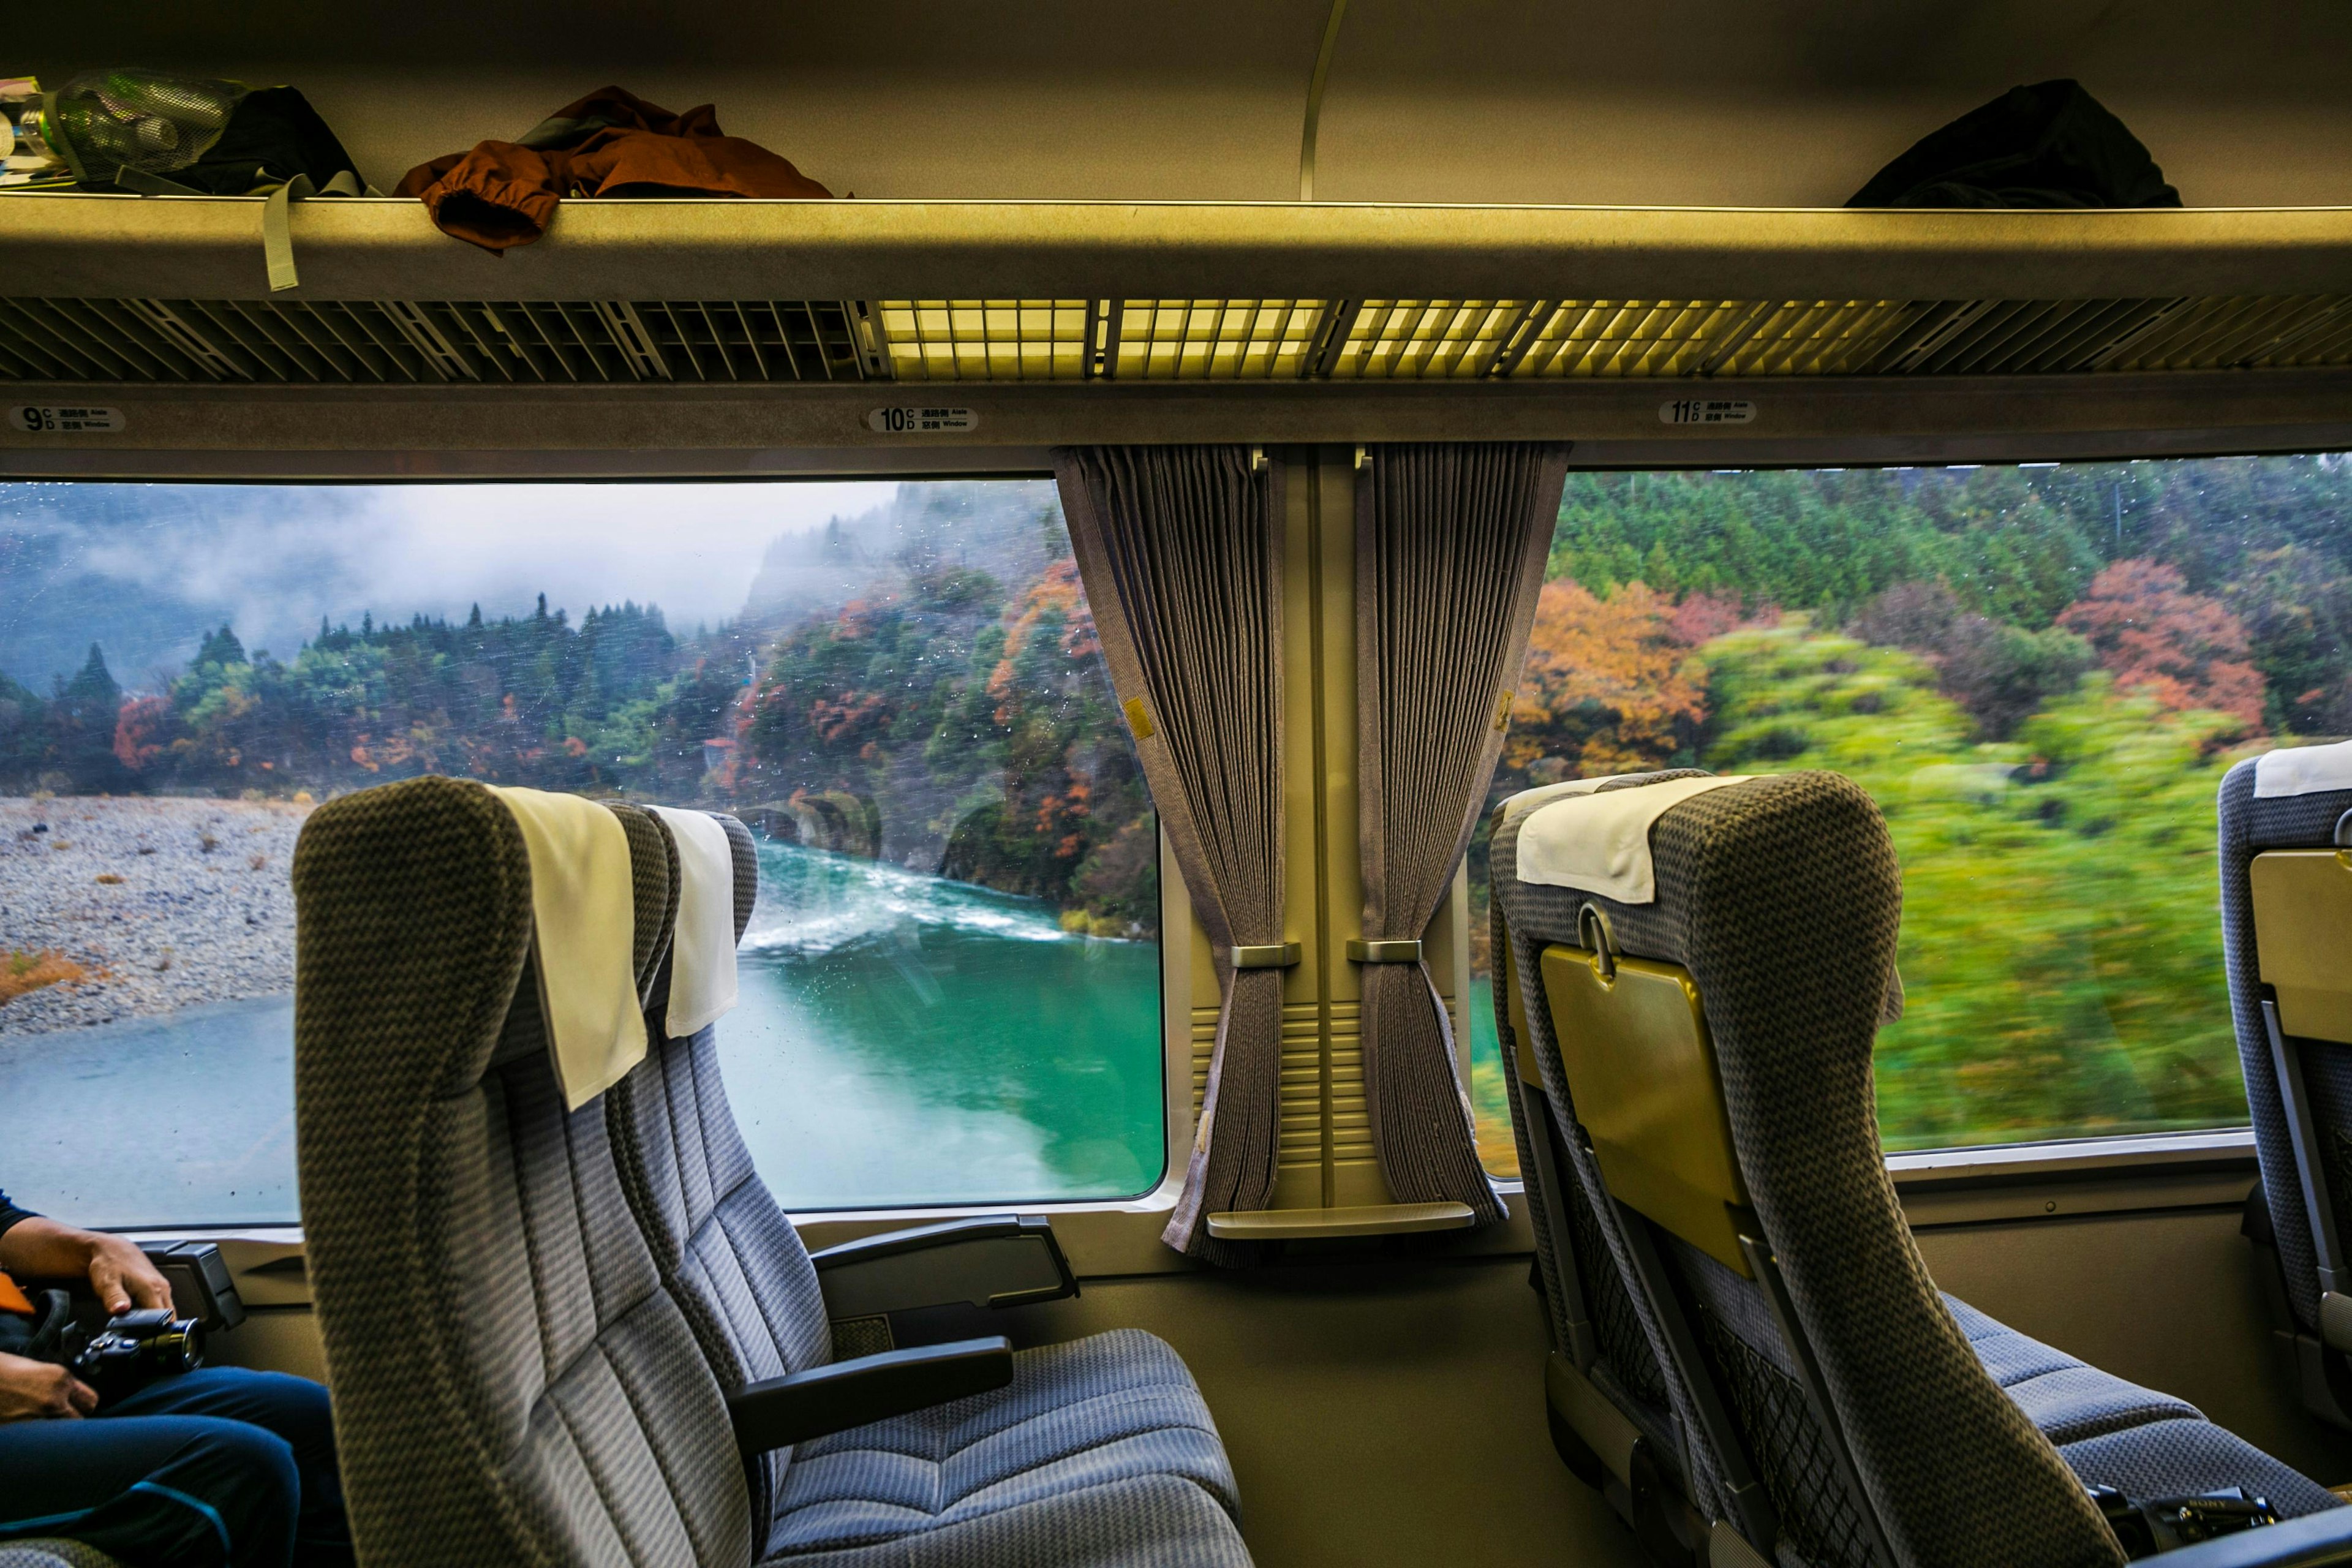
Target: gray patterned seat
2299, 1084
1110, 1409
1835, 1407
1598, 1325
513, 1382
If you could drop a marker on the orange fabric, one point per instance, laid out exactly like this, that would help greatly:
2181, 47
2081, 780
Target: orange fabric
13, 1298
609, 143
496, 197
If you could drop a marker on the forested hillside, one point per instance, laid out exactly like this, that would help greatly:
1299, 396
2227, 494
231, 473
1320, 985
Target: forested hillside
919, 685
2041, 674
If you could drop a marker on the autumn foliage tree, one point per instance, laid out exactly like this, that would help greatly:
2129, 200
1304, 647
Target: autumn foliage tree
2296, 603
2184, 649
141, 731
1610, 685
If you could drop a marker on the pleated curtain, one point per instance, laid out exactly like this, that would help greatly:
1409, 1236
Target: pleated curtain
1450, 547
1180, 552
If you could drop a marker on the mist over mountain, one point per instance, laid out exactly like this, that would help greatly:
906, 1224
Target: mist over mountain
1008, 528
146, 570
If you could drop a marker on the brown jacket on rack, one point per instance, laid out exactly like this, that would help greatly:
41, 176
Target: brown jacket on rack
609, 143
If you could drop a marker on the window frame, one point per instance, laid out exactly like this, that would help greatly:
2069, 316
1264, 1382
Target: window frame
2142, 1172
550, 468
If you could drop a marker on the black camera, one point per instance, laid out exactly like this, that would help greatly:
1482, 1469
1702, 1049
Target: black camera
136, 1348
115, 1356
2163, 1524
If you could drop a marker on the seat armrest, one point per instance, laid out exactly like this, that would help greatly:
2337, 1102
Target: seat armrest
2307, 1542
834, 1398
992, 1261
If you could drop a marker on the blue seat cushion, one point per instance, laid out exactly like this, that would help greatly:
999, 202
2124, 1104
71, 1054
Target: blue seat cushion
1076, 1416
1147, 1522
2068, 1398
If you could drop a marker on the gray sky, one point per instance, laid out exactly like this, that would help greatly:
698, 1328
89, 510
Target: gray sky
139, 566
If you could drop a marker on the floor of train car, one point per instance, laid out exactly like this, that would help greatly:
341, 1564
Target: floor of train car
1389, 1412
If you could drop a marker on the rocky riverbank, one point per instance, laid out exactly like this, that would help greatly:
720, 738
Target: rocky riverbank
160, 903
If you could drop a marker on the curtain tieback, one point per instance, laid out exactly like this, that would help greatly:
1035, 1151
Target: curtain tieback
1396, 949
1264, 956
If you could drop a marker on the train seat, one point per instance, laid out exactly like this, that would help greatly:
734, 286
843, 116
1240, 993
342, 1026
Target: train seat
2287, 905
44, 1553
1076, 1415
513, 1380
1701, 971
1612, 1414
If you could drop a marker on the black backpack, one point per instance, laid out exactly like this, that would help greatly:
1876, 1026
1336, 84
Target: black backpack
2049, 145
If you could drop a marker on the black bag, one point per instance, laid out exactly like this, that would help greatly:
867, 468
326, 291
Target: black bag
40, 1336
2049, 145
273, 136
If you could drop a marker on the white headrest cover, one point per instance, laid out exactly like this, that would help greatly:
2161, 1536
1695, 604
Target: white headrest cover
583, 926
1598, 841
702, 951
2302, 770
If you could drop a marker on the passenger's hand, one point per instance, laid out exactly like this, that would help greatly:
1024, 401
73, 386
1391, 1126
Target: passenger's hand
39, 1391
122, 1276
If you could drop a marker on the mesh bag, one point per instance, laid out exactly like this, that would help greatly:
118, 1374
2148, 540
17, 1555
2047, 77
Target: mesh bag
1800, 1471
1624, 1342
149, 122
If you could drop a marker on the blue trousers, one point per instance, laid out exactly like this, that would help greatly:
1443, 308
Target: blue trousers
221, 1468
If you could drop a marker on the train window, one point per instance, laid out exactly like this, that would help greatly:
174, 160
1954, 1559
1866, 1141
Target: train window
951, 980
2040, 672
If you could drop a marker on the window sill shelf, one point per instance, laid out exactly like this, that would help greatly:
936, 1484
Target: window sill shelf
2230, 1149
1365, 1219
2076, 1178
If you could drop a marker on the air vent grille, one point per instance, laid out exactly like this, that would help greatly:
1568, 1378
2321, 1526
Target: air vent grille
1301, 1113
364, 342
360, 343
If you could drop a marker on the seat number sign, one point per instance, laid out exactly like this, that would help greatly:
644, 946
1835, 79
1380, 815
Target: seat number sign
920, 421
1706, 411
38, 420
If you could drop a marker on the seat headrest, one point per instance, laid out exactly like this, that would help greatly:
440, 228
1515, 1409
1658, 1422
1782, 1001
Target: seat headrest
1516, 896
438, 882
412, 908
1598, 840
1559, 846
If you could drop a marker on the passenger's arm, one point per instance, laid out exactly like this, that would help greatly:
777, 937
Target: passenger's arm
990, 1260
37, 1247
825, 1399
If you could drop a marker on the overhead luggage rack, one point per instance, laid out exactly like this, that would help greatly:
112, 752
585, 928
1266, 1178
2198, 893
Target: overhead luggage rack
161, 289
766, 326
524, 341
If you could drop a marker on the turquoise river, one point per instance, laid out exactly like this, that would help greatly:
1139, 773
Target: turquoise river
901, 1039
